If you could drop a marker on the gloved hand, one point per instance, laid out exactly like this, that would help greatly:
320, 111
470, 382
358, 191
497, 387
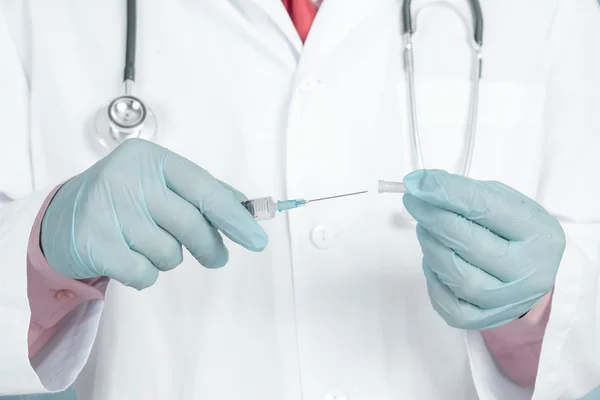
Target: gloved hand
489, 252
128, 215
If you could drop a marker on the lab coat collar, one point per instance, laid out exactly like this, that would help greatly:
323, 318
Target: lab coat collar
334, 21
280, 17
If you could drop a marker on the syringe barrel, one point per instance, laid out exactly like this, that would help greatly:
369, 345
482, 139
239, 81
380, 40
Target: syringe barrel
261, 209
390, 187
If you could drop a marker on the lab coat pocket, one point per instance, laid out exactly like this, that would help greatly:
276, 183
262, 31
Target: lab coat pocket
509, 128
510, 135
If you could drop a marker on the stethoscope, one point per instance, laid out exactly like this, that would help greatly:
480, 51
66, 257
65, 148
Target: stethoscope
128, 117
409, 70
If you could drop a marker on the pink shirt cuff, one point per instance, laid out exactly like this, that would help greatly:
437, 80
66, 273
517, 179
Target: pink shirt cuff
52, 296
517, 345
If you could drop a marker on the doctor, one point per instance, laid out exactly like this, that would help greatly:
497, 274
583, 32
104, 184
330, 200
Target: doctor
494, 292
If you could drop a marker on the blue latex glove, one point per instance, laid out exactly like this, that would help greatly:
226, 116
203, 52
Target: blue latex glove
69, 394
128, 216
489, 252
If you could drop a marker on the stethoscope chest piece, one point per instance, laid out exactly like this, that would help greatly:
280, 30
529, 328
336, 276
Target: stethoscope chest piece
125, 117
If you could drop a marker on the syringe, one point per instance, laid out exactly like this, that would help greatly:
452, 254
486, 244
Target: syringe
265, 207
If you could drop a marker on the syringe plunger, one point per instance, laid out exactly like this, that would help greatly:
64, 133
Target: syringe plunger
390, 187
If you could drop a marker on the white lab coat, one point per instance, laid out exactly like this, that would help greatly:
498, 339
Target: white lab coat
337, 304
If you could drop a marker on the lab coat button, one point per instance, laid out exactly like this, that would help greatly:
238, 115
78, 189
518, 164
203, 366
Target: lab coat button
335, 394
323, 237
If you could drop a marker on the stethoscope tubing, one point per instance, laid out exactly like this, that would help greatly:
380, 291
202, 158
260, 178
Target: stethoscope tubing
477, 15
408, 30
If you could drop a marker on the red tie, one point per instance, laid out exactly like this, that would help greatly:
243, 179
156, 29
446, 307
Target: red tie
302, 13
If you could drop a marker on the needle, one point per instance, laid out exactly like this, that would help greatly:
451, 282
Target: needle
335, 197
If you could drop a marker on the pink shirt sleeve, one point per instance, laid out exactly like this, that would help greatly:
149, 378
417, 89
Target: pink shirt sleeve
52, 296
517, 345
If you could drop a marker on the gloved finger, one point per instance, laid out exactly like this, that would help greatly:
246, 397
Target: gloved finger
239, 196
186, 224
456, 312
124, 265
475, 244
466, 281
153, 242
492, 205
461, 314
216, 203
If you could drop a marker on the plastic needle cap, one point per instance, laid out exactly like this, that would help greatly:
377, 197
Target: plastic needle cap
390, 187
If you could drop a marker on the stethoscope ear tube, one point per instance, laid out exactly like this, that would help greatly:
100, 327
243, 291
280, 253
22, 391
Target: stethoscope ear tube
477, 21
407, 27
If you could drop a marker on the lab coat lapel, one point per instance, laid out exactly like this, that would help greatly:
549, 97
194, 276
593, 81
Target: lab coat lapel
334, 21
280, 17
